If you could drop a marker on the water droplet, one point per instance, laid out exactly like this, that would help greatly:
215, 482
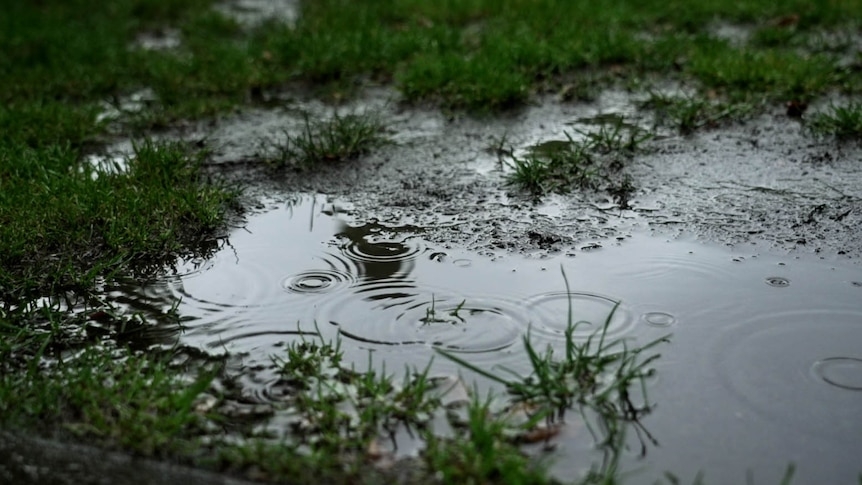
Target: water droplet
659, 319
778, 281
462, 263
843, 372
395, 312
316, 281
857, 284
549, 313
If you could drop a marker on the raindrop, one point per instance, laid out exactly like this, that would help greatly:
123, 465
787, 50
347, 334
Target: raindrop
462, 263
778, 282
392, 312
589, 313
659, 319
316, 281
857, 284
843, 372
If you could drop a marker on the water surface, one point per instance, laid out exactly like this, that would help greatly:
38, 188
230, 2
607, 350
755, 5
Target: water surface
764, 367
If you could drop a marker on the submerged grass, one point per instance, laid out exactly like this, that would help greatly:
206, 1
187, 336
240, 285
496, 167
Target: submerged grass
342, 422
596, 376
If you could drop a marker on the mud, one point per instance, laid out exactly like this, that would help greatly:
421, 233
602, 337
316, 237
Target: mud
29, 460
764, 182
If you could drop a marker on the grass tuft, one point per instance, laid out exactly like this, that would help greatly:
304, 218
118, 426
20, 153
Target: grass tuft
843, 122
596, 376
560, 166
338, 139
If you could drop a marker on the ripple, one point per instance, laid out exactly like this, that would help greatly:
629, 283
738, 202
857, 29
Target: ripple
195, 266
241, 285
377, 243
316, 281
549, 314
778, 281
777, 364
380, 251
395, 313
659, 319
678, 267
842, 372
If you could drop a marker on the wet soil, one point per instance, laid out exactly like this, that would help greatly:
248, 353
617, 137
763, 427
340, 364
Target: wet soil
30, 460
763, 182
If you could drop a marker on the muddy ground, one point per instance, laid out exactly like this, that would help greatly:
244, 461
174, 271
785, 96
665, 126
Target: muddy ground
764, 181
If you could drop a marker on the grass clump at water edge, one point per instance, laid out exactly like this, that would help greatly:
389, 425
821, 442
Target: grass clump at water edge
843, 122
595, 158
65, 222
343, 425
339, 139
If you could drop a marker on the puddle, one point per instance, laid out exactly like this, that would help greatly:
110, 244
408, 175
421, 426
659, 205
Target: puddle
764, 360
251, 13
112, 164
158, 40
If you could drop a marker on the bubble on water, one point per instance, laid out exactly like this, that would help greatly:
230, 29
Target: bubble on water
843, 372
778, 281
659, 319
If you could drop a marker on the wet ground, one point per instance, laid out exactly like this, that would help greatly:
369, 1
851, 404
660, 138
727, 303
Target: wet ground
742, 241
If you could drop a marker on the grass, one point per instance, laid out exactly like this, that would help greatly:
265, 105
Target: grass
595, 375
843, 122
338, 139
595, 157
690, 113
64, 377
61, 378
65, 223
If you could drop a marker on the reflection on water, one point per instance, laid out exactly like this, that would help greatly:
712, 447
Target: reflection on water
764, 368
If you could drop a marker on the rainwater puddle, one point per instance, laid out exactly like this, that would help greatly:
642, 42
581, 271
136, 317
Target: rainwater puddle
764, 366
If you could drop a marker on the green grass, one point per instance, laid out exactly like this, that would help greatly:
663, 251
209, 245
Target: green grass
690, 113
60, 378
596, 375
64, 223
843, 122
63, 377
338, 139
597, 157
